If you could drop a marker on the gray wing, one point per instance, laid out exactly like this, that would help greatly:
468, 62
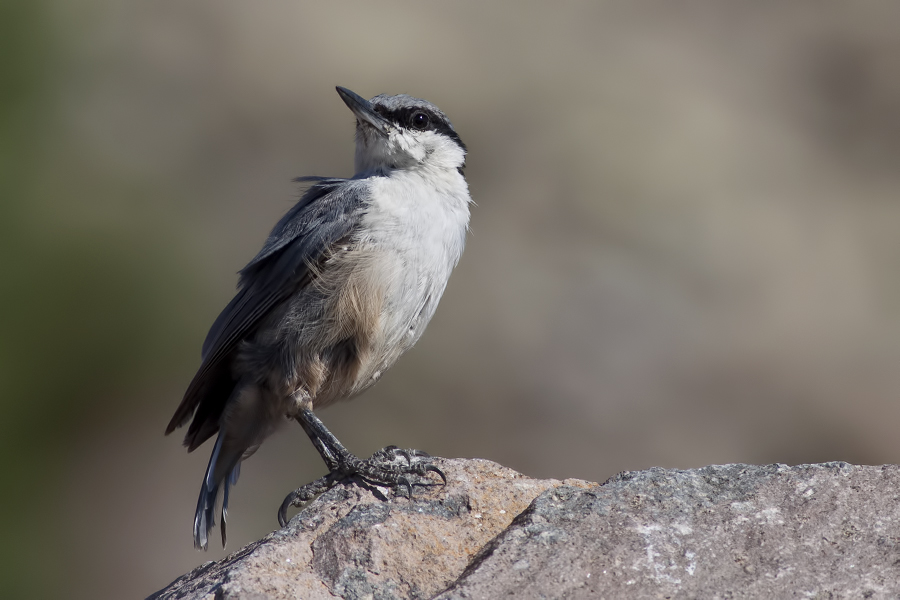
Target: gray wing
321, 217
325, 214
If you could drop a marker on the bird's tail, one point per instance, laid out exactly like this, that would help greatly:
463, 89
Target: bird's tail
224, 468
249, 418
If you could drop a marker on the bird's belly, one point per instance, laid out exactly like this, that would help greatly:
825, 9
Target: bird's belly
410, 240
409, 297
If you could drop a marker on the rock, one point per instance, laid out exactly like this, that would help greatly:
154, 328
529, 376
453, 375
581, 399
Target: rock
733, 531
356, 541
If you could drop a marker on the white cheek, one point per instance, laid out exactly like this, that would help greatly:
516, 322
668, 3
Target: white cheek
408, 145
443, 153
451, 157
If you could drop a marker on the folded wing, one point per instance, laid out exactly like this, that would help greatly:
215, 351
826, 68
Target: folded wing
328, 212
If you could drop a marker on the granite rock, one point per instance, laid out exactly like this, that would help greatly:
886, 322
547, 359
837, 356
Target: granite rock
360, 541
734, 531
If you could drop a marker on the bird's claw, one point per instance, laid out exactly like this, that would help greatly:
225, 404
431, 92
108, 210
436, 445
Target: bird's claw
402, 481
304, 494
380, 469
429, 468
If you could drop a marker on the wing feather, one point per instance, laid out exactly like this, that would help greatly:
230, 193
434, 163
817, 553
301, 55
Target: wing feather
327, 212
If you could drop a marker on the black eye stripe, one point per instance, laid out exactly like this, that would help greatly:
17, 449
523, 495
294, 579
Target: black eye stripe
437, 123
403, 116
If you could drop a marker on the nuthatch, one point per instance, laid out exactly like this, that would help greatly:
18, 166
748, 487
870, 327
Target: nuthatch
345, 283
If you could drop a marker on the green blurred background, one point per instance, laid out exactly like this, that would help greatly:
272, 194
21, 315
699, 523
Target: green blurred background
686, 248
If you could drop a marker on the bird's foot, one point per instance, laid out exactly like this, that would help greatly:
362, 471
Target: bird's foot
398, 468
391, 467
305, 494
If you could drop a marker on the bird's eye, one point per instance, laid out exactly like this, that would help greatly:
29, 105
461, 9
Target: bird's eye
419, 120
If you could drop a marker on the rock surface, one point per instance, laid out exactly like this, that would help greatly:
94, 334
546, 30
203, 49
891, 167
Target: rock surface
357, 541
733, 531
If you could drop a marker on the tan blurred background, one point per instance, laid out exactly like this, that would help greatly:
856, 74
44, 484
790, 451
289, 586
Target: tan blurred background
686, 248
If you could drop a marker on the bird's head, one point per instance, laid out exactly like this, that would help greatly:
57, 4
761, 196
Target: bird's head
402, 132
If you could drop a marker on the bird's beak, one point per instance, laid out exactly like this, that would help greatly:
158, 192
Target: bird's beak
364, 110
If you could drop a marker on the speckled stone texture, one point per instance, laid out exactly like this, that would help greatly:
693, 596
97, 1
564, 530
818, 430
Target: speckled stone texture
359, 542
733, 531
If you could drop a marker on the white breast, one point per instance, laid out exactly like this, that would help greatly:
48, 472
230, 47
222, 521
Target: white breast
416, 225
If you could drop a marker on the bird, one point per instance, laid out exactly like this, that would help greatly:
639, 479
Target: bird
345, 283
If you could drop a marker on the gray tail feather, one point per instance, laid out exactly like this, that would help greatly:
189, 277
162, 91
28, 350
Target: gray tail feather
204, 518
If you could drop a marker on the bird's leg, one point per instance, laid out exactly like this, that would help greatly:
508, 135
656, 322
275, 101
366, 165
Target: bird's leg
381, 469
328, 456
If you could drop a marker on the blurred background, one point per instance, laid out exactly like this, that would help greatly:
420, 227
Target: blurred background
685, 249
